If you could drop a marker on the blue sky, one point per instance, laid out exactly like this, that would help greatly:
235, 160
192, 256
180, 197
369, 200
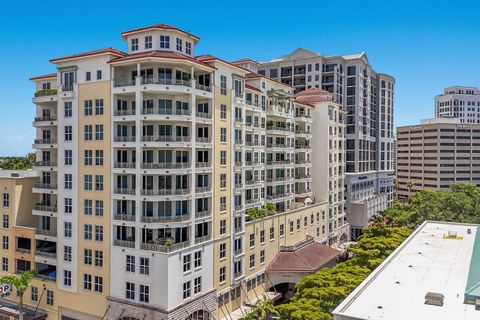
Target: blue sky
425, 45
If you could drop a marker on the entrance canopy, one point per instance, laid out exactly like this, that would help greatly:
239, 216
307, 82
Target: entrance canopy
11, 310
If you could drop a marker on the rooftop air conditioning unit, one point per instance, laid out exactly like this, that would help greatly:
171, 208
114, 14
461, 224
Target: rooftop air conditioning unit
434, 299
452, 234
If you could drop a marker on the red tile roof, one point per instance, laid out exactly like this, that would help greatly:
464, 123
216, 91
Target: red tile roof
307, 258
253, 75
90, 53
161, 26
313, 95
252, 88
209, 57
45, 76
160, 54
244, 60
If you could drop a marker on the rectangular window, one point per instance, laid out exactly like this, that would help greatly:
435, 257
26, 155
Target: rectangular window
186, 290
99, 208
223, 85
223, 134
179, 44
282, 230
99, 182
67, 253
144, 293
99, 233
99, 258
165, 42
87, 232
67, 278
188, 48
87, 256
187, 262
223, 158
87, 207
68, 156
223, 274
4, 264
130, 263
6, 221
99, 132
6, 200
130, 291
98, 284
223, 250
262, 256
148, 42
34, 294
88, 108
67, 109
50, 298
134, 44
262, 236
5, 242
252, 261
68, 206
197, 285
223, 111
144, 266
197, 262
68, 181
88, 157
88, 76
87, 281
99, 157
88, 182
223, 180
99, 74
68, 133
67, 229
223, 227
272, 232
98, 107
88, 132
252, 240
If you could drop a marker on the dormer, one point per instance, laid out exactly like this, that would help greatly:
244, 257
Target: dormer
160, 37
248, 64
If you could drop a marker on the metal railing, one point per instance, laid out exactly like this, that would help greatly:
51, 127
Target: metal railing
46, 92
161, 219
202, 239
45, 118
166, 165
124, 217
124, 243
41, 207
46, 254
45, 141
125, 191
24, 251
124, 165
163, 111
127, 112
50, 186
163, 247
45, 164
47, 233
203, 87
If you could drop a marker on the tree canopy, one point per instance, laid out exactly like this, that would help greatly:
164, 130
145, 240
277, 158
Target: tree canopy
17, 163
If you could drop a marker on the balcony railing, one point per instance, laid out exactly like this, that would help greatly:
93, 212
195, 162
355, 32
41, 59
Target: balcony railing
163, 247
123, 83
203, 87
302, 115
45, 141
204, 140
46, 92
303, 191
238, 207
46, 254
124, 139
165, 192
124, 165
67, 88
165, 219
49, 186
252, 200
45, 277
126, 112
203, 189
129, 191
176, 82
47, 233
276, 162
163, 111
41, 207
23, 251
166, 165
202, 239
46, 118
203, 164
203, 115
45, 164
124, 217
166, 138
202, 214
278, 195
124, 243
302, 146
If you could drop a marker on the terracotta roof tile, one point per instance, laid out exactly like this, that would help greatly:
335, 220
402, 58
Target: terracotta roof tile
161, 26
253, 75
90, 53
209, 57
45, 76
252, 88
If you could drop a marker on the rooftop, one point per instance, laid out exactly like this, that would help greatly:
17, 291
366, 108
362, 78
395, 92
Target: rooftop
434, 260
18, 174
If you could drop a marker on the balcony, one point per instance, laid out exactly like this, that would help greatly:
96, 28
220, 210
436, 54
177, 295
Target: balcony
46, 95
165, 192
204, 140
44, 187
302, 176
45, 121
124, 165
164, 248
166, 139
126, 191
24, 251
202, 239
282, 129
124, 139
302, 161
176, 82
278, 195
45, 165
202, 214
278, 162
166, 219
44, 143
252, 200
203, 115
203, 189
44, 210
124, 243
238, 207
203, 165
166, 165
203, 87
124, 217
164, 111
46, 233
301, 146
123, 83
238, 252
46, 254
126, 112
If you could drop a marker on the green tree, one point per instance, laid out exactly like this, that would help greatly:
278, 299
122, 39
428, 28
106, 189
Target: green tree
21, 283
17, 163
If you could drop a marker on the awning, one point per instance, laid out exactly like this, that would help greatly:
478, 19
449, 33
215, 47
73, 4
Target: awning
11, 309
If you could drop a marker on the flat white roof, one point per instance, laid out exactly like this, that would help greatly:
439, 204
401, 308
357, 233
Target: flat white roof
18, 174
425, 262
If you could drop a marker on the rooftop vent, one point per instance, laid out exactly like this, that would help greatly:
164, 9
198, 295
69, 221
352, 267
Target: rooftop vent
452, 234
469, 231
434, 299
15, 174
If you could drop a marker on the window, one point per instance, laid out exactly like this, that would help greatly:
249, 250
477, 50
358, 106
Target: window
223, 180
197, 285
130, 264
87, 281
223, 111
130, 291
99, 258
67, 253
252, 240
144, 266
67, 229
223, 85
223, 274
88, 157
68, 157
99, 233
179, 44
68, 205
148, 42
99, 74
188, 48
223, 134
6, 221
87, 207
67, 109
134, 44
68, 181
223, 227
99, 132
99, 182
223, 158
272, 232
144, 293
252, 261
298, 224
223, 203
223, 250
68, 133
305, 221
87, 232
262, 256
282, 230
197, 262
87, 182
98, 107
87, 256
99, 208
88, 132
67, 278
186, 290
6, 200
88, 107
5, 242
262, 236
187, 262
88, 76
99, 157
165, 42
4, 264
98, 284
50, 299
34, 294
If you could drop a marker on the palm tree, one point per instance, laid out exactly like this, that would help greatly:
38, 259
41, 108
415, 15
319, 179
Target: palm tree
270, 208
254, 213
264, 308
410, 186
21, 283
